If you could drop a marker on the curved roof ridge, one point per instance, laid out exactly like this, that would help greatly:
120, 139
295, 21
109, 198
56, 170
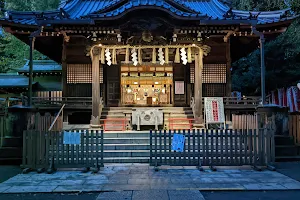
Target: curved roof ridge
137, 3
220, 5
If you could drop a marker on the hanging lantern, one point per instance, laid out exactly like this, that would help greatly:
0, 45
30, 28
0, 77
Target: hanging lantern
161, 58
183, 56
107, 56
134, 57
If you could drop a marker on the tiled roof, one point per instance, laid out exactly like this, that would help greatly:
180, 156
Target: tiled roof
100, 9
41, 66
13, 81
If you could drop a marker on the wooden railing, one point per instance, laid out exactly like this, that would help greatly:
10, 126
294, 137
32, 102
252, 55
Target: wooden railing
43, 149
193, 106
56, 118
294, 128
2, 127
248, 122
176, 123
59, 101
249, 101
213, 148
115, 124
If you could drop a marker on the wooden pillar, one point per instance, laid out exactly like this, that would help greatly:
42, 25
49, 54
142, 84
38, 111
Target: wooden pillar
95, 121
31, 44
198, 86
64, 69
228, 69
263, 68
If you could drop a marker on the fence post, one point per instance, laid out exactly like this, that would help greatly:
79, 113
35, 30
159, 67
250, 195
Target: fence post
150, 161
271, 149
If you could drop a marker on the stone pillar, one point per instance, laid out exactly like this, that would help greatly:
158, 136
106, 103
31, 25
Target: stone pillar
198, 87
95, 120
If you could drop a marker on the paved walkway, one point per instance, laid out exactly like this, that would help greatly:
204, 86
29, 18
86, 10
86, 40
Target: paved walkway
141, 178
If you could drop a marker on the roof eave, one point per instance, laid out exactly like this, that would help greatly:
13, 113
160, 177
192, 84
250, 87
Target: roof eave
228, 21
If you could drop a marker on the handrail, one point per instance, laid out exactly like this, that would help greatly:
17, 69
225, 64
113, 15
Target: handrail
193, 105
61, 109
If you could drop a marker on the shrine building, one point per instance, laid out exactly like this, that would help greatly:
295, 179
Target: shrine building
143, 53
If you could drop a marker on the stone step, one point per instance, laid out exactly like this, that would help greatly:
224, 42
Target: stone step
10, 141
10, 152
147, 147
283, 140
286, 150
287, 158
140, 140
132, 135
126, 160
126, 146
131, 108
126, 153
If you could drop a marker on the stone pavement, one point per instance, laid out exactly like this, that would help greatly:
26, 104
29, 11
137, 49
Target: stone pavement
141, 178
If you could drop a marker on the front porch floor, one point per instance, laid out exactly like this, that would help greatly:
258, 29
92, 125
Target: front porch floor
124, 177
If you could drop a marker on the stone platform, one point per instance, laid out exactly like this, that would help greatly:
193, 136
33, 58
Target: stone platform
127, 177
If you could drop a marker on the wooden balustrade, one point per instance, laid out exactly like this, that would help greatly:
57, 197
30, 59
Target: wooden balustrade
294, 128
245, 122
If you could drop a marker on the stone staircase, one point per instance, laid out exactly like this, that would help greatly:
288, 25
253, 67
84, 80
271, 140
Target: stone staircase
126, 147
11, 150
114, 114
285, 149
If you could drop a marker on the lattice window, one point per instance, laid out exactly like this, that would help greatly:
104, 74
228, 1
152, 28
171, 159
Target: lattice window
214, 73
82, 73
214, 90
192, 73
48, 94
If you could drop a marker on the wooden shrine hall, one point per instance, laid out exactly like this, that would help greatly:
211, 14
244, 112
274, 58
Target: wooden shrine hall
144, 53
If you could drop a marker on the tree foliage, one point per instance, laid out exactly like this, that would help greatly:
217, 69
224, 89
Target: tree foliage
282, 60
13, 52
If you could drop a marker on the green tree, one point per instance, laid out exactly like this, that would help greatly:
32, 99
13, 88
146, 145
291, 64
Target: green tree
296, 6
13, 52
282, 59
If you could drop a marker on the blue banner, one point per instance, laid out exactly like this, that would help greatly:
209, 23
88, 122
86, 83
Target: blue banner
72, 137
178, 142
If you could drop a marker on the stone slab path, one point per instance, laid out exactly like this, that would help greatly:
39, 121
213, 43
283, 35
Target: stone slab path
141, 179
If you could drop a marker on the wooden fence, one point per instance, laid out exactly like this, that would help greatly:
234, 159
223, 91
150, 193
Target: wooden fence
2, 128
294, 128
244, 122
43, 122
42, 149
214, 148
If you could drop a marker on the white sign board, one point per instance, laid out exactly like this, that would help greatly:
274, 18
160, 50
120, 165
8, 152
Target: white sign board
179, 87
214, 110
72, 137
178, 142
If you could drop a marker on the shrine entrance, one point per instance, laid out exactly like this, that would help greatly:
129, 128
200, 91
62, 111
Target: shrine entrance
147, 85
